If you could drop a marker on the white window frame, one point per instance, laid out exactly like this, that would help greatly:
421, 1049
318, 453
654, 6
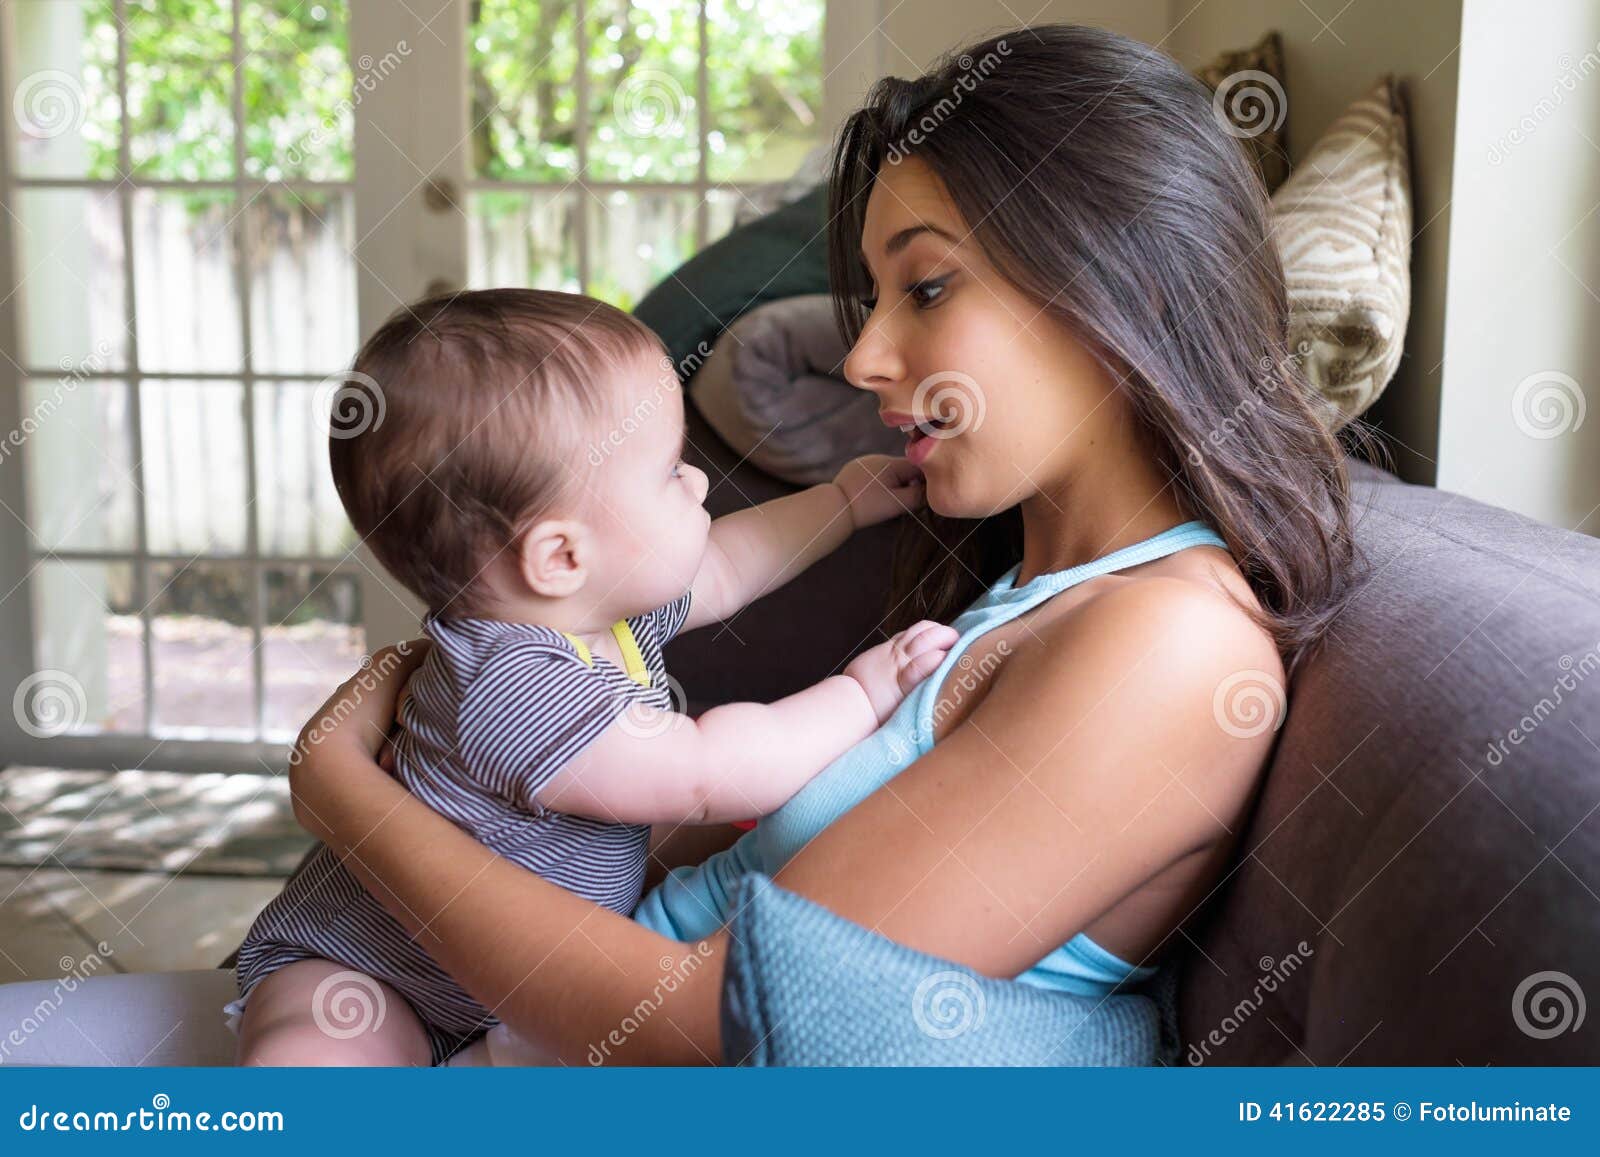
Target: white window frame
409, 131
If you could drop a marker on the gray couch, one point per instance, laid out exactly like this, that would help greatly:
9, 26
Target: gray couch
1427, 829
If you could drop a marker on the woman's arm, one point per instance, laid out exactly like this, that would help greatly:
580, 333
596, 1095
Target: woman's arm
1069, 785
512, 939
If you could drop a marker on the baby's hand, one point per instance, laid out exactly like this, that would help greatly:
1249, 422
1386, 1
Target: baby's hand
889, 671
877, 488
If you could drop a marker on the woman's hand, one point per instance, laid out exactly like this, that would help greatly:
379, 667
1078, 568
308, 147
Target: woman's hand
357, 717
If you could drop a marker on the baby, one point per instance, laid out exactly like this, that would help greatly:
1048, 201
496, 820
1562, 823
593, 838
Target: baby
519, 468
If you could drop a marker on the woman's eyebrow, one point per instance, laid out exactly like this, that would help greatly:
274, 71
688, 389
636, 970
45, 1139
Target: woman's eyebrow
904, 237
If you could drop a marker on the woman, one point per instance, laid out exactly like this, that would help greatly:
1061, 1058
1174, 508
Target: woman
1054, 263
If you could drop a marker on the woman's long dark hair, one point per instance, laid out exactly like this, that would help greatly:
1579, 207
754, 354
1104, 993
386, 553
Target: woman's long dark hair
1098, 180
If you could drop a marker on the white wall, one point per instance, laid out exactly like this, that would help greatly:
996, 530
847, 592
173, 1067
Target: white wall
1524, 279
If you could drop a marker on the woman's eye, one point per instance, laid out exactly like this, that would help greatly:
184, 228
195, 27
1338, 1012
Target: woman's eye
924, 293
677, 468
868, 303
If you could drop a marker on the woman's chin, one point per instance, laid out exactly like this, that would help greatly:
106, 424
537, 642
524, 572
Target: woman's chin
949, 502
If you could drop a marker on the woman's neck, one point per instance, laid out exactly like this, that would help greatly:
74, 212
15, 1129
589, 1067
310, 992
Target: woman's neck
1114, 501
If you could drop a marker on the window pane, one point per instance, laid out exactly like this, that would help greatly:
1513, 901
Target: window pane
764, 73
180, 115
302, 281
722, 209
194, 484
192, 28
80, 465
523, 58
64, 96
88, 644
636, 239
297, 508
298, 89
313, 642
523, 239
202, 661
71, 267
642, 60
186, 300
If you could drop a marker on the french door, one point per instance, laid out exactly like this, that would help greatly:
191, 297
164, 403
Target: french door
207, 204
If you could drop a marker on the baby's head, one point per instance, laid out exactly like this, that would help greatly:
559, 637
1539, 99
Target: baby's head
522, 457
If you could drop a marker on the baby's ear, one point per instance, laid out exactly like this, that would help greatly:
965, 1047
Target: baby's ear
553, 558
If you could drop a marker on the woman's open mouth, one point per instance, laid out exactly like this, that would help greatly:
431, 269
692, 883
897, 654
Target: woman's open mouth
922, 434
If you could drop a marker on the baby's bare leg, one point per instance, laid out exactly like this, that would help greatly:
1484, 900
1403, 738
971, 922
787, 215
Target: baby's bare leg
316, 1012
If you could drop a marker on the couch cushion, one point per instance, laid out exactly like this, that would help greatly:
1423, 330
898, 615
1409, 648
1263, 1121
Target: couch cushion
780, 255
1428, 829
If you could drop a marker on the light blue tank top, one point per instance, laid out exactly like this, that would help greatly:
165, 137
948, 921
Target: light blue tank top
693, 902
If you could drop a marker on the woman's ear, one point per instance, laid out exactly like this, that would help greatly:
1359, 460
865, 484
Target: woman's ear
553, 558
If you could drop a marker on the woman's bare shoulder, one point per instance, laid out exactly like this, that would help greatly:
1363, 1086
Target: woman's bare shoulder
1151, 680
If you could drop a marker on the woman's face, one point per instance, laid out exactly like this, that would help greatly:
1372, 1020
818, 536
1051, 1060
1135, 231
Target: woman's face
1004, 397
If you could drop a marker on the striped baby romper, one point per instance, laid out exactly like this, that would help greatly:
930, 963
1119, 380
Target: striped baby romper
496, 709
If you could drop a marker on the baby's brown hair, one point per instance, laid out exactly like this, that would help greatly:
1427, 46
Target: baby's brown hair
463, 420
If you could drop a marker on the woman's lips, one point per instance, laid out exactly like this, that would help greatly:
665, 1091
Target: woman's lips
922, 434
918, 447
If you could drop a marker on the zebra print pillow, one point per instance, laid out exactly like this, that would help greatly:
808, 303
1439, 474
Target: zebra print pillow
1342, 222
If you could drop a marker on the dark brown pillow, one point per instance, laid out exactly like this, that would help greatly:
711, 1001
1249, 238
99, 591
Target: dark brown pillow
1248, 94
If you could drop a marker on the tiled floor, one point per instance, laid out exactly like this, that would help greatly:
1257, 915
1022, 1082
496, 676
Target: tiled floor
51, 918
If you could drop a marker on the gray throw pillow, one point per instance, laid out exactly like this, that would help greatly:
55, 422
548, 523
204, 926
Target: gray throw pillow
773, 389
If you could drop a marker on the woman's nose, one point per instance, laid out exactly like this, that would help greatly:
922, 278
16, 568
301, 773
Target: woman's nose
700, 485
873, 362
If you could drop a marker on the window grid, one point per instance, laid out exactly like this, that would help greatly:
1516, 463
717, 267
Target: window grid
143, 562
246, 190
702, 186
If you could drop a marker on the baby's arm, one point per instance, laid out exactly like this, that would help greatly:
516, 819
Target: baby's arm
741, 759
753, 552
